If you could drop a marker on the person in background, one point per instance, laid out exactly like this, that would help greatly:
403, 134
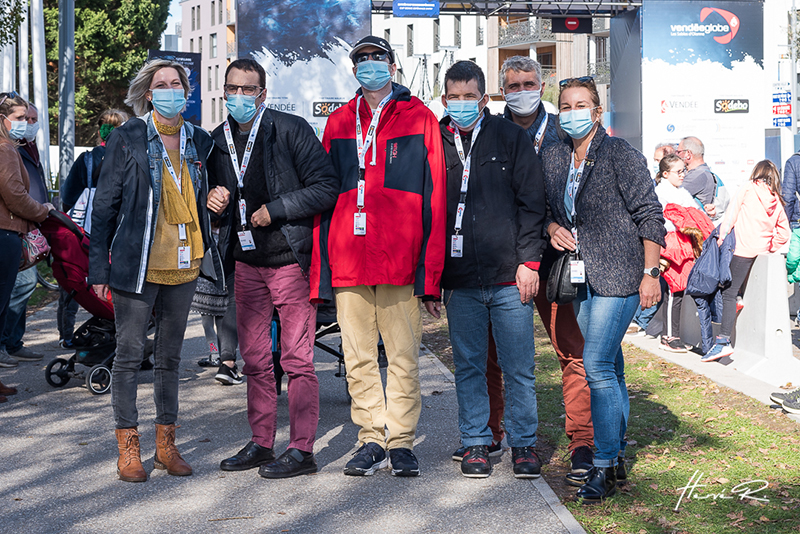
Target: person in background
14, 328
699, 180
86, 166
760, 225
18, 210
662, 149
151, 235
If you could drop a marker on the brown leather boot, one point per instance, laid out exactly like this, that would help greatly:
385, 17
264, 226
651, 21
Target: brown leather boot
129, 465
7, 390
167, 455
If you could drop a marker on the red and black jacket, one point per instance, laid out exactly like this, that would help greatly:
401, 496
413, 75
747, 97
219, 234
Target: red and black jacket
404, 201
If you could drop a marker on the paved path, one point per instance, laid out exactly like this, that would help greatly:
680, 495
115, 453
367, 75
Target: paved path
58, 453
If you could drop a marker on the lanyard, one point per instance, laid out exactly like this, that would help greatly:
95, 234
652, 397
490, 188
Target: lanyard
361, 143
171, 170
239, 171
466, 161
537, 142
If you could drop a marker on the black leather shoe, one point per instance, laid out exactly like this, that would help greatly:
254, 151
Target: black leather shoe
622, 473
291, 463
602, 484
250, 457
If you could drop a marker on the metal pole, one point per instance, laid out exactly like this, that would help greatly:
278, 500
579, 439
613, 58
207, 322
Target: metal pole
66, 87
793, 56
23, 54
9, 68
40, 84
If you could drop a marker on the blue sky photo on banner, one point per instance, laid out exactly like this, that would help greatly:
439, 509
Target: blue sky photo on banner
703, 75
304, 47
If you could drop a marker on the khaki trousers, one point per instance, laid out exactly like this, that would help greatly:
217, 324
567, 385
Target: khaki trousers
364, 312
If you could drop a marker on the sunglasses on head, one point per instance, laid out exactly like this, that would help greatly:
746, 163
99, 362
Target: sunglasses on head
12, 94
375, 56
582, 79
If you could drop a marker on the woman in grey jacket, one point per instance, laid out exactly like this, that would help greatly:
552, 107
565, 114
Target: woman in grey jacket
602, 201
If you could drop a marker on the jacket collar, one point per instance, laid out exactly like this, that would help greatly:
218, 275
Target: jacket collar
591, 156
218, 135
447, 130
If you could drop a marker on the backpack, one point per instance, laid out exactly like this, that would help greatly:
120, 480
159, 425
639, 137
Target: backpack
81, 212
721, 198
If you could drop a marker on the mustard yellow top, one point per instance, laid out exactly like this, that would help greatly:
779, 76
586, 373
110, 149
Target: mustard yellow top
176, 207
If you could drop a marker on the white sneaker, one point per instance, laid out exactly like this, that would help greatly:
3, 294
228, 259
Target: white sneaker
6, 360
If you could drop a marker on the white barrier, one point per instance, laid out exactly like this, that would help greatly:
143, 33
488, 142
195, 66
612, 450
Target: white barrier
762, 337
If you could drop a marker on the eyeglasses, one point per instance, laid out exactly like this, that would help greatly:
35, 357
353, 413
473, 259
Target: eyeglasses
679, 172
582, 79
376, 56
249, 90
681, 150
12, 94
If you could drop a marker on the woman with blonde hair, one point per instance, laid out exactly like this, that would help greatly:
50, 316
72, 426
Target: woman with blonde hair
150, 221
18, 211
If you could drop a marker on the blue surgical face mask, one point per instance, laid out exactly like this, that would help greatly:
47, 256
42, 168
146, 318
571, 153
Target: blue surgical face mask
17, 130
241, 107
30, 131
168, 102
373, 75
464, 113
577, 122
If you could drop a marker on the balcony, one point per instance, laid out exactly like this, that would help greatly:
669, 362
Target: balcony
525, 32
601, 70
232, 50
601, 25
231, 13
178, 29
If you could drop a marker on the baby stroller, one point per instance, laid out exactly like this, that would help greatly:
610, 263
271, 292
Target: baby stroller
94, 340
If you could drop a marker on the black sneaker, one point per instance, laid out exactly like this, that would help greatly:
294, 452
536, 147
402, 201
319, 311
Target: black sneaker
209, 361
495, 450
780, 398
368, 459
228, 375
622, 473
404, 463
291, 463
251, 456
526, 462
672, 344
476, 463
581, 460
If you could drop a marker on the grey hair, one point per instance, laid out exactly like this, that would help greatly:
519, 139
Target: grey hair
693, 145
520, 63
137, 92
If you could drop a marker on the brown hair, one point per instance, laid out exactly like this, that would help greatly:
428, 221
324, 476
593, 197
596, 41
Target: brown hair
9, 102
767, 172
665, 164
112, 117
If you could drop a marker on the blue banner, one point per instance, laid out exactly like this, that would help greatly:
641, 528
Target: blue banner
415, 8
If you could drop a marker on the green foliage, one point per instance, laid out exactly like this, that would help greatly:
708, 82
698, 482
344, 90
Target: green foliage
111, 43
11, 13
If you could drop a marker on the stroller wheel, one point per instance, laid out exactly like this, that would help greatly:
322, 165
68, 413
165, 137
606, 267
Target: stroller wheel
57, 373
98, 379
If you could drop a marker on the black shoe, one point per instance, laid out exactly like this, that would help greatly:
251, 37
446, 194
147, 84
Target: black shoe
495, 450
602, 484
250, 457
476, 463
622, 473
526, 462
228, 375
368, 458
581, 459
404, 463
210, 361
291, 463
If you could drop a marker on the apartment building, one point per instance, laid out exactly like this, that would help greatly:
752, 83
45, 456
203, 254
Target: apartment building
208, 27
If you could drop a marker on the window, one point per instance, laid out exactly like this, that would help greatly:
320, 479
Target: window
221, 109
213, 106
410, 40
221, 20
209, 78
200, 45
437, 68
198, 17
191, 45
213, 48
602, 48
194, 25
387, 34
216, 77
457, 34
436, 35
213, 12
478, 32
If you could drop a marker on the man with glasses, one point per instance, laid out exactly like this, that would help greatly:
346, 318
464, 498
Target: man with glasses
381, 250
699, 179
272, 179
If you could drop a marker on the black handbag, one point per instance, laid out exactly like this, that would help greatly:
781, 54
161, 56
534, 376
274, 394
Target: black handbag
560, 288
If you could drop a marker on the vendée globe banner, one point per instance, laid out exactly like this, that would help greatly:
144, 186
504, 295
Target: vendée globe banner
703, 76
304, 47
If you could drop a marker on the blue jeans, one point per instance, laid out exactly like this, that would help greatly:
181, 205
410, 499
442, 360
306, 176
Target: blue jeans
603, 321
14, 327
469, 312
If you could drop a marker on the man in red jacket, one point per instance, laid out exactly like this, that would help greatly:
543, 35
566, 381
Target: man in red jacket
381, 250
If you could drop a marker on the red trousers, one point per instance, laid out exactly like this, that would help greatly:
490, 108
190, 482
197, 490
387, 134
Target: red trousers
565, 335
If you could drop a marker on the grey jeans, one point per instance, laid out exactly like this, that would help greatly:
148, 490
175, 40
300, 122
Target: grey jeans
132, 313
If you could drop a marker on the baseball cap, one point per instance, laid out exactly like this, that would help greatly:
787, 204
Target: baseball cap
371, 40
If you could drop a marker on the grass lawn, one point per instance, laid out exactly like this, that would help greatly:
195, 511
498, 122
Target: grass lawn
682, 428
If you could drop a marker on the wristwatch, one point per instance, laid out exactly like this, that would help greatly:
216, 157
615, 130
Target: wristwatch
653, 272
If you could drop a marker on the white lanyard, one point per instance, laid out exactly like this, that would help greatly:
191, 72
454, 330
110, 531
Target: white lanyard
537, 142
239, 171
466, 161
361, 143
171, 170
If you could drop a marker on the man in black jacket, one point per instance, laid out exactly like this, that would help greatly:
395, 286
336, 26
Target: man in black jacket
273, 179
495, 212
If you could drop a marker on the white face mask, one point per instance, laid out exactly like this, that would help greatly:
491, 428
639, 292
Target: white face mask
30, 131
524, 103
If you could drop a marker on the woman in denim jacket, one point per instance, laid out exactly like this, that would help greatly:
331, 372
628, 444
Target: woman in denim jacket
601, 199
150, 241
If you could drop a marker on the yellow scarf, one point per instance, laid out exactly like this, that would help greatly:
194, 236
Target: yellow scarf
182, 208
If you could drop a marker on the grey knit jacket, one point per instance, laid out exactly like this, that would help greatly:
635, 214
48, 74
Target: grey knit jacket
617, 208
